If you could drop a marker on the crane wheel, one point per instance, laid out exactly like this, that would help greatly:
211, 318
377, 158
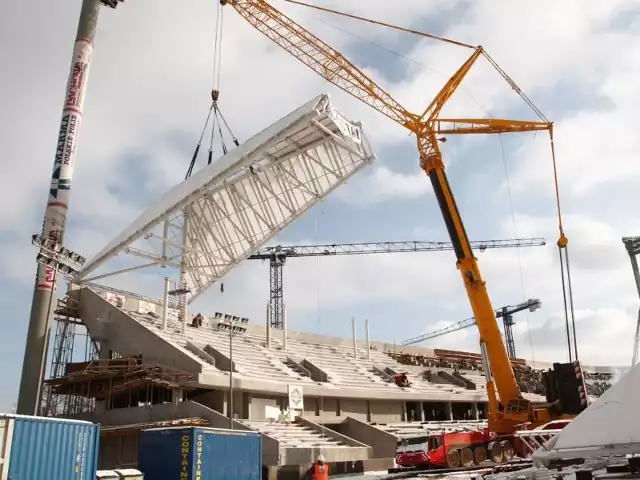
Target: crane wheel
453, 458
466, 457
479, 455
495, 452
507, 450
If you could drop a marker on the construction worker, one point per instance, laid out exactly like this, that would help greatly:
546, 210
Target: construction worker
319, 470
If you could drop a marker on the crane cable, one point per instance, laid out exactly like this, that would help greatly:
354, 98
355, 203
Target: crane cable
565, 267
214, 110
515, 234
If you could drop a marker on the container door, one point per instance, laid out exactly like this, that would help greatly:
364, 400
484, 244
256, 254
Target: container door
229, 457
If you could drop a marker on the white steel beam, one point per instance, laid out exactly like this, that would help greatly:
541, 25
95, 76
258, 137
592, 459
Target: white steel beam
238, 203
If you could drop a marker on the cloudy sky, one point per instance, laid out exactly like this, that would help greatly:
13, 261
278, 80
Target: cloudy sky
148, 95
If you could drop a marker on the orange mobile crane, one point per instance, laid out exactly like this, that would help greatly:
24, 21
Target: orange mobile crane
507, 406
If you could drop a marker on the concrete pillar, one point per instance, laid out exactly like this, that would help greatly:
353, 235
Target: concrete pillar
474, 411
176, 396
449, 411
285, 320
165, 303
366, 336
268, 326
355, 341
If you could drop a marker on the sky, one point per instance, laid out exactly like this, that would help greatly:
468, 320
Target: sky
149, 92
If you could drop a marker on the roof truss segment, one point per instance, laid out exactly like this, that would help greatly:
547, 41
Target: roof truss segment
225, 212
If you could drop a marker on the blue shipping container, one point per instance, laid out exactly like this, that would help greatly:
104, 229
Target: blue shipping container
197, 453
40, 448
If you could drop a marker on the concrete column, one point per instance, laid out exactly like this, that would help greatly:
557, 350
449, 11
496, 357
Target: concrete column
285, 320
165, 303
268, 326
474, 411
355, 341
449, 411
176, 396
366, 336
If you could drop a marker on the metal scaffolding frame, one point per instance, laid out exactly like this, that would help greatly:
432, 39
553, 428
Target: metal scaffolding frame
69, 332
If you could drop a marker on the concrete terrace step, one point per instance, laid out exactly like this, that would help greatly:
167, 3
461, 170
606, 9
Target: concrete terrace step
293, 434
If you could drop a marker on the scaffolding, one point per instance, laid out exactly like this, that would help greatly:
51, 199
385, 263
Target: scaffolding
119, 382
177, 311
71, 339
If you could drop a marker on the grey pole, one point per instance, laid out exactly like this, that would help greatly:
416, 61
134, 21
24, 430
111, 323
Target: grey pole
55, 219
355, 340
230, 375
366, 333
165, 303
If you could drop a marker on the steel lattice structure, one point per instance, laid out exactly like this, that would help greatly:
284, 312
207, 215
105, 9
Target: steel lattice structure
632, 244
205, 226
506, 313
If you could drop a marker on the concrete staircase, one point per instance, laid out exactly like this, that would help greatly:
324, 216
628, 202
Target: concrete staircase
294, 434
301, 441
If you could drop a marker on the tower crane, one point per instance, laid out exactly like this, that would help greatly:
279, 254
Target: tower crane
632, 244
278, 255
507, 406
506, 313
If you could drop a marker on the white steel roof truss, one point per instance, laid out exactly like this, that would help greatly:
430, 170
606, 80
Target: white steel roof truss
228, 210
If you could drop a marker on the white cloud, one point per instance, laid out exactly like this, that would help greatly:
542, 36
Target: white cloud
149, 87
383, 185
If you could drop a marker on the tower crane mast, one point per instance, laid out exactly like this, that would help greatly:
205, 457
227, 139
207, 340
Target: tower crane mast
278, 255
632, 244
508, 407
506, 313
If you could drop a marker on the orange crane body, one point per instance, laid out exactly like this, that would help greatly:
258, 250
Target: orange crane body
508, 408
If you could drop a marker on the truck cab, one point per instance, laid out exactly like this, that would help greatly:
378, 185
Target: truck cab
421, 451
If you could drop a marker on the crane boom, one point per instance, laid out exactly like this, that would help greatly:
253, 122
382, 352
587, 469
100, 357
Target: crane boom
387, 247
277, 256
335, 68
505, 312
319, 57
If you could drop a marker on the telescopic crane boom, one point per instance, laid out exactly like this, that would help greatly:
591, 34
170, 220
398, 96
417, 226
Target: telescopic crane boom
508, 408
278, 255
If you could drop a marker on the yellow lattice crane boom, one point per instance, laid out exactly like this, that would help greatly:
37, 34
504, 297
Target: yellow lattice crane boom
512, 408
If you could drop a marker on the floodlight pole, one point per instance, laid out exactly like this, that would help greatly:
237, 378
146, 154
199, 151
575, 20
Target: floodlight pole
55, 218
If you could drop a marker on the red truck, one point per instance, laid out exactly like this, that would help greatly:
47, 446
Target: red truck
466, 447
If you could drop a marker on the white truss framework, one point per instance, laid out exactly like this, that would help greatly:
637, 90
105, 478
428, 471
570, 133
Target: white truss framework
226, 211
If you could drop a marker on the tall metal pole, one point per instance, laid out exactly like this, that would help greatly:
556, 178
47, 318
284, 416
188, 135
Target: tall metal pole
355, 341
165, 303
366, 333
230, 375
55, 219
